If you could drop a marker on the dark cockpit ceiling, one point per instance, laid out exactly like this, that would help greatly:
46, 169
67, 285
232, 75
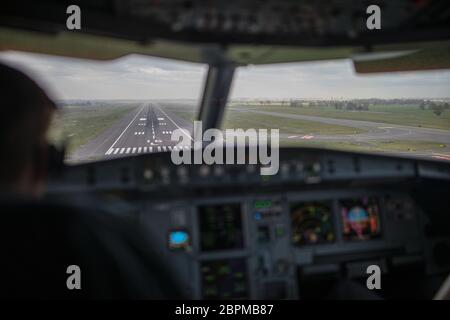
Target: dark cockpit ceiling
247, 31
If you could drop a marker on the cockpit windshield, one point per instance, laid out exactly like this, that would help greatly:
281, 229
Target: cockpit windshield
120, 108
134, 104
328, 105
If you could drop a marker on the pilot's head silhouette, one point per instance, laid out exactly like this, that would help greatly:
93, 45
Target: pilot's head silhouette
25, 115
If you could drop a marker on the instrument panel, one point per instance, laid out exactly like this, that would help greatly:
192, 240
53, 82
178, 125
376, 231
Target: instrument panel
254, 247
232, 234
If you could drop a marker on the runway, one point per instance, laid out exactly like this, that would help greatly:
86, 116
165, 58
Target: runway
147, 129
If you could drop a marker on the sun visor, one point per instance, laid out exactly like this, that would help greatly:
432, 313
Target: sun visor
430, 58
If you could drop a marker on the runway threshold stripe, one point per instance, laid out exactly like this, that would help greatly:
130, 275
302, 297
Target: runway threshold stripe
151, 149
117, 150
128, 150
109, 151
164, 148
139, 150
159, 149
121, 150
134, 150
145, 149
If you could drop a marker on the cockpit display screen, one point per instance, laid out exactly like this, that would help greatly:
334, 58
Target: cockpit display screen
360, 218
179, 239
312, 222
221, 227
224, 279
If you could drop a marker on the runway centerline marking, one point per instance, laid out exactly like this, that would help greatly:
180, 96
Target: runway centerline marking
182, 130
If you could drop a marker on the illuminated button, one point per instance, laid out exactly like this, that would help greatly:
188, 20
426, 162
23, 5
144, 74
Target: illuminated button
148, 174
204, 171
280, 230
262, 204
178, 239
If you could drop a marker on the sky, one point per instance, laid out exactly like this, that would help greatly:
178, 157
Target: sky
142, 77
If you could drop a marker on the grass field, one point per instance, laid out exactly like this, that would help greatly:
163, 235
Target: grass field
392, 114
77, 125
187, 111
408, 115
247, 120
404, 146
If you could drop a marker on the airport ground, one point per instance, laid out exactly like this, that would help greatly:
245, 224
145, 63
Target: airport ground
113, 128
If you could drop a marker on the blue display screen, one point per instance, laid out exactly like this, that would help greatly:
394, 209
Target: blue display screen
178, 239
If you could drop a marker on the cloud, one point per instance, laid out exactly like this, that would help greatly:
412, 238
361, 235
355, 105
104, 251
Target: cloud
141, 77
336, 79
132, 77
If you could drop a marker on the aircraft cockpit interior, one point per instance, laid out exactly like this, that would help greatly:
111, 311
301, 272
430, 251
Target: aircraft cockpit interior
344, 195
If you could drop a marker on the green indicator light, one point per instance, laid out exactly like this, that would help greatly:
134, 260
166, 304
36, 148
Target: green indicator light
262, 204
